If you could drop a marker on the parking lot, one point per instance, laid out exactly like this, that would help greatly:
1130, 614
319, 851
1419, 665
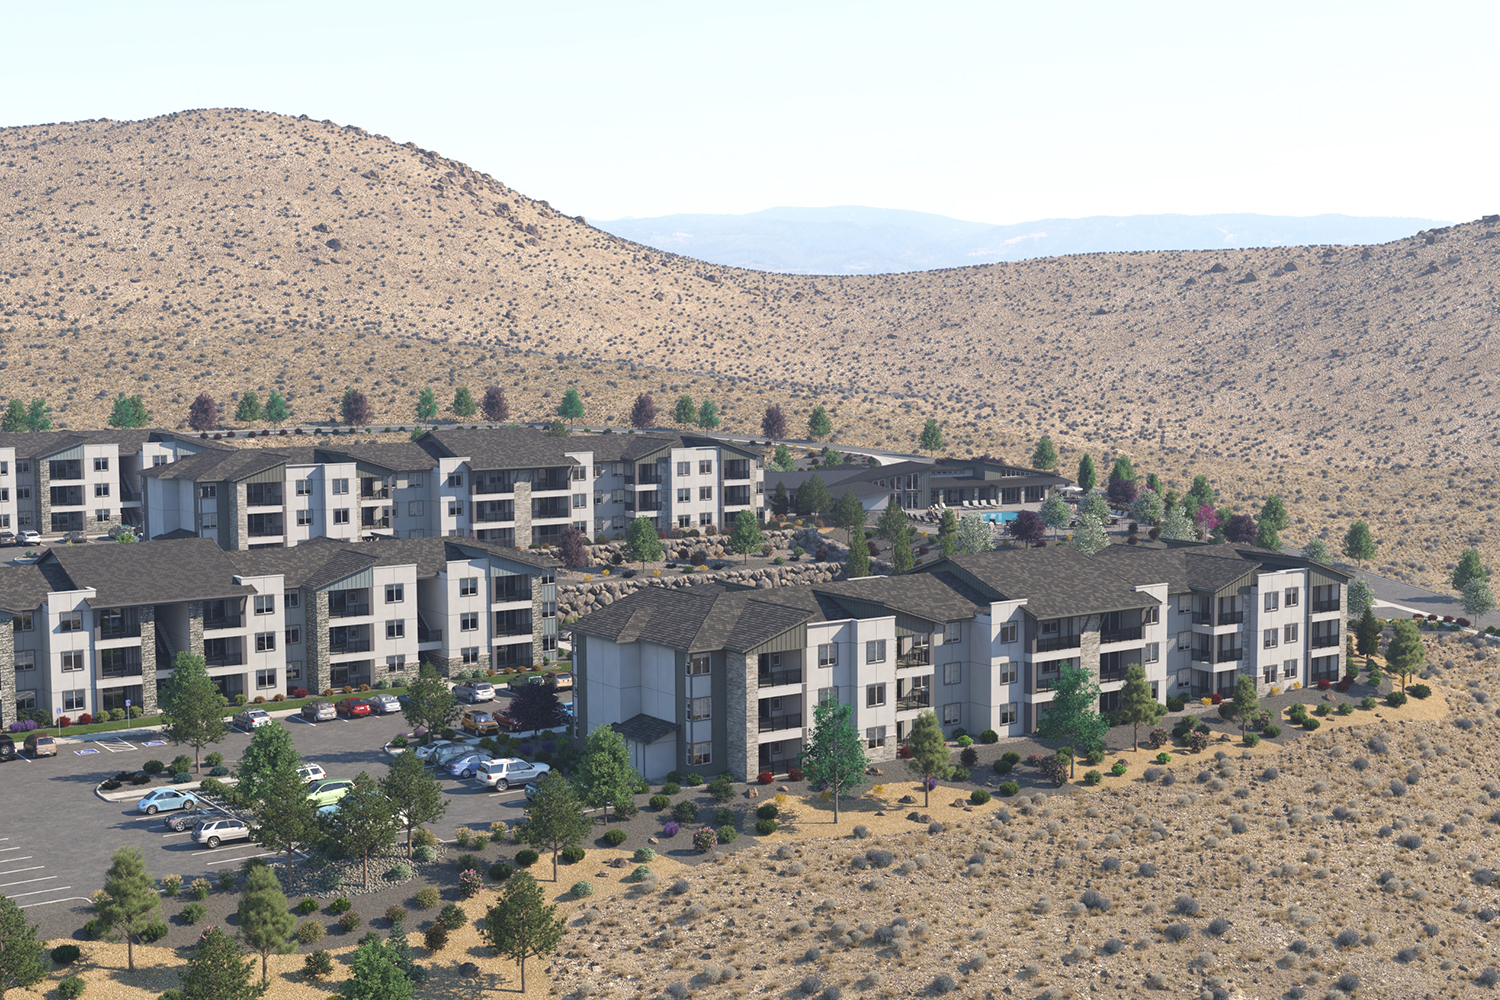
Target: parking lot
58, 836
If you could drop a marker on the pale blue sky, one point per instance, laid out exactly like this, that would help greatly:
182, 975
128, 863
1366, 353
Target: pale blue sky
993, 112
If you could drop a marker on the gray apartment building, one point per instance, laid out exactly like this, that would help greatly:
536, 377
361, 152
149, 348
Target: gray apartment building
997, 488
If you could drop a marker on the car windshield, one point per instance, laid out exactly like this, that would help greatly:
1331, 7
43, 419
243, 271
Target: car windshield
482, 717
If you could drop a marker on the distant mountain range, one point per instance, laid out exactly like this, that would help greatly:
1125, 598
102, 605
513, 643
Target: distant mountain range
855, 240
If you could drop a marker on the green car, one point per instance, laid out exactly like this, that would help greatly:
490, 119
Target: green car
329, 791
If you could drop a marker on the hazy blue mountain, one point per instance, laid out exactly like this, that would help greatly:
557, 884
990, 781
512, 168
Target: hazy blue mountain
855, 240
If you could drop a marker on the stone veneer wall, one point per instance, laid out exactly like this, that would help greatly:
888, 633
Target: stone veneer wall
43, 495
7, 670
195, 628
1088, 652
317, 669
147, 616
522, 511
538, 591
742, 715
240, 540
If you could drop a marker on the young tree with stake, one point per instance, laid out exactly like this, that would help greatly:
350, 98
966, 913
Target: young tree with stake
521, 925
571, 408
427, 407
929, 752
130, 901
192, 707
1137, 705
1246, 703
1406, 652
746, 536
1073, 716
605, 770
642, 544
284, 816
685, 413
415, 796
365, 822
1044, 455
266, 922
554, 817
833, 756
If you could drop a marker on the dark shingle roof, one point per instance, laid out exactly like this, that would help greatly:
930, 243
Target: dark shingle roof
22, 588
646, 729
40, 444
704, 617
1183, 570
220, 465
935, 597
319, 562
1056, 582
190, 569
499, 448
399, 456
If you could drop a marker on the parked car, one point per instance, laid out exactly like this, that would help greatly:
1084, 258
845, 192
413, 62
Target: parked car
508, 722
7, 538
310, 773
215, 832
507, 771
449, 753
178, 822
166, 800
319, 711
431, 749
7, 748
564, 681
28, 538
121, 529
329, 791
383, 704
464, 765
41, 745
76, 537
252, 719
352, 708
480, 723
474, 691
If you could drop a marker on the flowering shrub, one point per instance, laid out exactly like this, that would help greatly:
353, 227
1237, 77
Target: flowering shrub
670, 829
299, 692
1159, 738
705, 839
794, 774
1216, 698
766, 777
469, 883
1324, 685
931, 784
1036, 760
85, 719
904, 752
24, 726
1461, 622
1055, 769
1197, 742
64, 721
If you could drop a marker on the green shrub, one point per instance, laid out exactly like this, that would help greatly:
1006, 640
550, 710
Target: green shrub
154, 931
965, 741
989, 736
212, 760
153, 767
1251, 739
571, 854
643, 856
968, 757
1321, 710
1419, 691
1395, 699
395, 914
727, 833
1175, 704
423, 853
427, 897
694, 780
317, 964
1344, 709
722, 788
641, 873
526, 858
309, 931
340, 905
1310, 724
1011, 757
182, 762
1094, 756
423, 837
723, 817
1009, 788
71, 988
583, 888
308, 905
65, 954
979, 796
453, 917
659, 802
1271, 732
1164, 758
1367, 703
350, 920
228, 881
1092, 777
398, 872
765, 827
685, 812
1003, 766
767, 811
193, 912
614, 838
671, 788
466, 862
1118, 769
499, 871
958, 773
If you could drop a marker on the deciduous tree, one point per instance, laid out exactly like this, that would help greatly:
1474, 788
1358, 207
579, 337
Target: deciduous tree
248, 411
1199, 494
192, 707
427, 407
1359, 543
819, 425
773, 423
1246, 703
276, 410
833, 755
1028, 527
1240, 529
1360, 597
1073, 714
266, 922
129, 411
1266, 536
1273, 512
782, 460
932, 436
365, 822
1479, 600
415, 796
554, 817
832, 458
605, 770
643, 412
1147, 508
708, 415
355, 408
1469, 568
929, 752
948, 533
285, 818
746, 536
1138, 707
15, 418
39, 416
1176, 525
375, 973
130, 900
573, 548
270, 750
521, 925
494, 405
1044, 455
463, 403
685, 413
974, 535
642, 544
571, 408
1055, 512
1090, 536
203, 415
429, 702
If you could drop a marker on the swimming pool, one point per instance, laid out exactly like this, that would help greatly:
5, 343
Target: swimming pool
1000, 516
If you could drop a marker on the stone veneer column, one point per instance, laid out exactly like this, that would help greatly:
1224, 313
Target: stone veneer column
241, 539
7, 670
1088, 652
522, 511
195, 628
148, 658
742, 694
316, 669
43, 496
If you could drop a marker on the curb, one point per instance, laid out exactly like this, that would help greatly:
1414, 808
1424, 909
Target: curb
122, 796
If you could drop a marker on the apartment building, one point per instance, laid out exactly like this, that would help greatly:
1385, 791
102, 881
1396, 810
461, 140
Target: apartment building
674, 480
715, 678
94, 627
990, 486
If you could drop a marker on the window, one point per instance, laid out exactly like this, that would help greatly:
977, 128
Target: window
1008, 714
265, 604
1152, 652
455, 479
414, 479
101, 465
701, 753
293, 636
395, 629
706, 467
1184, 640
874, 695
102, 516
304, 487
208, 491
1289, 633
1268, 673
1151, 615
265, 679
468, 621
828, 696
304, 518
580, 500
1292, 597
5, 495
72, 660
4, 468
340, 487
70, 622
469, 654
341, 516
1273, 600
684, 520
1269, 638
698, 665
1008, 633
455, 508
684, 468
952, 673
1007, 672
22, 622
828, 654
875, 737
875, 653
700, 709
468, 586
291, 599
395, 664
684, 494
73, 701
705, 493
1289, 669
1184, 604
293, 670
706, 517
951, 631
23, 492
155, 460
265, 642
23, 467
951, 714
414, 509
25, 659
101, 489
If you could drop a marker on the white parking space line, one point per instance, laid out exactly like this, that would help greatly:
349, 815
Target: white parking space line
11, 861
39, 892
9, 848
27, 881
65, 899
115, 746
230, 861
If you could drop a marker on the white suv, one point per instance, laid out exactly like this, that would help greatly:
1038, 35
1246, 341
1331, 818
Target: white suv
507, 771
215, 832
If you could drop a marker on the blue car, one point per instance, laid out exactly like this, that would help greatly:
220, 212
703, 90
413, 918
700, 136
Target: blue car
166, 800
465, 766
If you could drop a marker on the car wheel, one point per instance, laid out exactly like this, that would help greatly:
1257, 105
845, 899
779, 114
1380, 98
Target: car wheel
213, 842
502, 784
467, 773
191, 805
150, 810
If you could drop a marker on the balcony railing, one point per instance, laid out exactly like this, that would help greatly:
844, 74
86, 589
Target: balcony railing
548, 484
348, 646
349, 610
491, 487
777, 723
644, 505
1045, 683
219, 621
1121, 635
918, 699
232, 658
425, 634
776, 678
1049, 644
646, 479
733, 471
1231, 617
1227, 655
1323, 607
375, 493
1203, 618
922, 659
1324, 641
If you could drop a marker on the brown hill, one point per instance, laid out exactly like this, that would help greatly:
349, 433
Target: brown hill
228, 250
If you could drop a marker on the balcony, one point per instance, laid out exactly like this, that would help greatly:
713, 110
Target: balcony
340, 645
776, 678
736, 496
264, 525
652, 505
513, 623
1229, 655
263, 495
1203, 618
1044, 682
647, 476
120, 663
551, 507
66, 496
917, 659
1231, 617
372, 517
1324, 641
492, 511
1323, 607
212, 622
64, 470
120, 624
368, 490
1121, 635
778, 723
920, 698
734, 471
1050, 644
552, 481
425, 633
492, 486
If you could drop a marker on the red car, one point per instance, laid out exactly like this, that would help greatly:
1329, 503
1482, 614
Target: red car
507, 722
351, 708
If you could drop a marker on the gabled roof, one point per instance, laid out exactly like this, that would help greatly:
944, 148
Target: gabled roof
397, 456
705, 617
220, 465
499, 448
1183, 570
319, 562
22, 588
124, 575
1055, 582
932, 597
41, 444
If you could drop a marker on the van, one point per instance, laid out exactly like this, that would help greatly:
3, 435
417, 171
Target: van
41, 745
7, 748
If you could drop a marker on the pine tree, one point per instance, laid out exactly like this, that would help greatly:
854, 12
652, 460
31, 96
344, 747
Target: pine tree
1273, 512
427, 407
270, 751
203, 415
129, 411
929, 752
39, 416
1367, 634
463, 403
1359, 543
605, 770
773, 424
375, 974
780, 501
746, 537
814, 496
355, 408
849, 514
643, 413
249, 409
571, 408
23, 961
1360, 597
685, 413
1246, 703
948, 533
1088, 476
1044, 456
266, 923
284, 816
833, 755
708, 415
932, 436
1469, 568
1090, 536
365, 823
494, 405
818, 423
903, 560
130, 899
1138, 706
892, 523
276, 410
1406, 653
219, 970
1073, 716
1266, 537
859, 559
832, 459
192, 707
642, 543
554, 817
15, 419
521, 925
1201, 494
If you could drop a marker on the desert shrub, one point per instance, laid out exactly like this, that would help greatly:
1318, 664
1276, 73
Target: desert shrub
498, 872
1395, 699
71, 988
193, 912
309, 931
1177, 931
583, 888
727, 834
1009, 788
1146, 870
435, 938
395, 914
1095, 902
1218, 927
1347, 938
424, 853
685, 812
526, 857
350, 921
989, 736
767, 811
1271, 732
452, 917
571, 854
879, 857
671, 788
765, 827
1092, 777
979, 796
317, 964
1419, 691
659, 802
643, 856
614, 838
1310, 724
1094, 756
